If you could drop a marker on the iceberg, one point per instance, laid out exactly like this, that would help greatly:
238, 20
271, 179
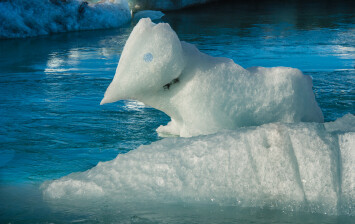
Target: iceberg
164, 4
153, 15
204, 94
295, 167
21, 18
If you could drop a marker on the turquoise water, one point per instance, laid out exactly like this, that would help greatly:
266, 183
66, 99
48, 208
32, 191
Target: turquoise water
51, 123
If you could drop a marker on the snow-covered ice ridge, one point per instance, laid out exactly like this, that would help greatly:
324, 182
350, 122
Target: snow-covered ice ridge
204, 94
164, 4
23, 18
298, 167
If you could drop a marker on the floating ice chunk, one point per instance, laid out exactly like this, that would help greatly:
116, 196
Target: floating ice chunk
153, 15
22, 18
285, 166
204, 94
344, 124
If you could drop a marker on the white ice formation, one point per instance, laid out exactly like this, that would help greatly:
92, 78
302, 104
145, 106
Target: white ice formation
22, 18
164, 4
153, 15
302, 167
204, 94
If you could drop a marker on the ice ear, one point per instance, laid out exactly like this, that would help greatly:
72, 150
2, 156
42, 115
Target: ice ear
151, 58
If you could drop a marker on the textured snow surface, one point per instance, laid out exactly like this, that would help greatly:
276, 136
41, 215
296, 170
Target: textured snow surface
22, 18
204, 94
302, 167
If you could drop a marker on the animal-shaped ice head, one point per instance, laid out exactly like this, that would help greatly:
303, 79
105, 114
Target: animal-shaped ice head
151, 58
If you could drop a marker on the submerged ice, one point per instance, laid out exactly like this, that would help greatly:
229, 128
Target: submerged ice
304, 167
21, 18
204, 94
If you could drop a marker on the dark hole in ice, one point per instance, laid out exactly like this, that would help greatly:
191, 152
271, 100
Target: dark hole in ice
167, 86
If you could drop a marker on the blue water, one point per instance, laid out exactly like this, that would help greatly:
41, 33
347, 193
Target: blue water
51, 123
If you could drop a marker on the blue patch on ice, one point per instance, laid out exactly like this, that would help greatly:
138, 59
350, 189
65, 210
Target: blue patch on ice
148, 57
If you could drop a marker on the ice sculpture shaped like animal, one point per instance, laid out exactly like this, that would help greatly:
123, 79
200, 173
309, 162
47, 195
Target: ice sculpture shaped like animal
204, 94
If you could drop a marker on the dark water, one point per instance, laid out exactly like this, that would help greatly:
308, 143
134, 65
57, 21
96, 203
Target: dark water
51, 123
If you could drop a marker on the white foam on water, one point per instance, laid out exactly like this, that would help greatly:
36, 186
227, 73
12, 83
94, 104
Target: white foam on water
204, 94
21, 18
297, 167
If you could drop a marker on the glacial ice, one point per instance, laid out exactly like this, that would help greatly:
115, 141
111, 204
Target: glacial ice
298, 167
22, 18
204, 94
153, 15
163, 4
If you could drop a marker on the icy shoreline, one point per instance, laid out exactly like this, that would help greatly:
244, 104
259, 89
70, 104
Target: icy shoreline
20, 18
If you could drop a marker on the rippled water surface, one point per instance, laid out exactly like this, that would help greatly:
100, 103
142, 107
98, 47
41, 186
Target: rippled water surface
51, 123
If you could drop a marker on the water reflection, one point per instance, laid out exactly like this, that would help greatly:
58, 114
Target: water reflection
66, 47
300, 34
134, 105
